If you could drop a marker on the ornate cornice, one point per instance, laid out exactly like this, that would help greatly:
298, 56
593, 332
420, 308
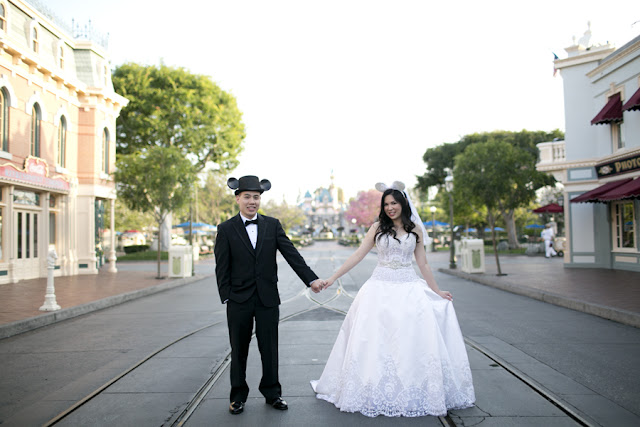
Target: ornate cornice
585, 58
619, 56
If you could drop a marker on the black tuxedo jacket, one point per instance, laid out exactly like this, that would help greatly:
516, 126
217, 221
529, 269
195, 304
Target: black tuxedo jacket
242, 270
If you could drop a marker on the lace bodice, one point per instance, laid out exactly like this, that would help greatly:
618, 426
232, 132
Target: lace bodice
394, 259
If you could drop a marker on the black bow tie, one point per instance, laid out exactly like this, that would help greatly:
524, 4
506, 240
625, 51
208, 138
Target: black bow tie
253, 221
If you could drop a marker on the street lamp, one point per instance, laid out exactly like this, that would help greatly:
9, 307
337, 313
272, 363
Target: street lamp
433, 226
448, 185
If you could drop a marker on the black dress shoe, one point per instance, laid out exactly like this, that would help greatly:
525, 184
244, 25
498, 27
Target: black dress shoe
279, 404
236, 408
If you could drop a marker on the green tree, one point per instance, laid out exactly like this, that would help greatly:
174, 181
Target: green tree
127, 219
213, 202
289, 216
497, 175
157, 180
439, 158
171, 107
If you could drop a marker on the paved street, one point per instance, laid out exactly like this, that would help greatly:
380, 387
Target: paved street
585, 362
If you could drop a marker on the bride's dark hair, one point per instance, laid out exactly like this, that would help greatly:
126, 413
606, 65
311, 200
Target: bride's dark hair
386, 223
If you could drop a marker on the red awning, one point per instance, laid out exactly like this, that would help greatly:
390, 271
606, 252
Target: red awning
550, 208
594, 195
630, 190
612, 112
633, 103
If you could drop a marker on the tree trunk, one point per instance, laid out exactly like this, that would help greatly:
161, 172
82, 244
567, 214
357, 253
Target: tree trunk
492, 224
509, 219
159, 276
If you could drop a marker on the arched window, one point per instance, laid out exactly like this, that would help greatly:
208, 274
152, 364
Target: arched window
3, 17
4, 119
105, 151
36, 117
62, 142
34, 39
61, 57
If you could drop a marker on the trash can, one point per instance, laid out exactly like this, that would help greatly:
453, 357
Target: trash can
180, 261
472, 254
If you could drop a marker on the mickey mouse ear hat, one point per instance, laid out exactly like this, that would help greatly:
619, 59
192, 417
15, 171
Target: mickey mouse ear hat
248, 183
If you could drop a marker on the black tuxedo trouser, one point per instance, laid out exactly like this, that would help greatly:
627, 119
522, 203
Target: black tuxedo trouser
240, 319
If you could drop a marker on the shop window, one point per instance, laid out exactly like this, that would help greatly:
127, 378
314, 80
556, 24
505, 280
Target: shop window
52, 228
4, 119
624, 223
36, 118
19, 235
105, 151
53, 220
35, 235
26, 198
62, 141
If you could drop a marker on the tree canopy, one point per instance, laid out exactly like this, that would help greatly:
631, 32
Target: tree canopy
442, 157
171, 107
494, 174
157, 181
289, 216
525, 153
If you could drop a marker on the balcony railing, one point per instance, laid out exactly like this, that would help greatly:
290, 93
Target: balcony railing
551, 152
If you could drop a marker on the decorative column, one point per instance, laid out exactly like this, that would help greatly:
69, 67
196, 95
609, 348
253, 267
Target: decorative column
112, 250
50, 303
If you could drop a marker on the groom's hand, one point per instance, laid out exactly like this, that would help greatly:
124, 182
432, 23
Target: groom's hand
317, 285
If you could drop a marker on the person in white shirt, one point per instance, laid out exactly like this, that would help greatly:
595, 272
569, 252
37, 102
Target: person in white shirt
547, 235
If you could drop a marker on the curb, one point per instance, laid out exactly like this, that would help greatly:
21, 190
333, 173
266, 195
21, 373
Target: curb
610, 313
31, 323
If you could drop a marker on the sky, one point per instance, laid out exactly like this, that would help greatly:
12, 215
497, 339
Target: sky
361, 89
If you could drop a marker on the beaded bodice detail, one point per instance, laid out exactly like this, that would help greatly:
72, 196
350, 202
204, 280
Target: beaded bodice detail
394, 259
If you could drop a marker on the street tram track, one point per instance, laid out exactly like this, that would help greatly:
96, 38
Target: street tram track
533, 385
179, 419
115, 379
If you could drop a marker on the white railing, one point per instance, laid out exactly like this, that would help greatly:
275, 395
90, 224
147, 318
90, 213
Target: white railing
551, 152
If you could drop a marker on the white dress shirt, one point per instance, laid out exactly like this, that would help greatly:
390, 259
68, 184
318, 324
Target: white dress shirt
252, 229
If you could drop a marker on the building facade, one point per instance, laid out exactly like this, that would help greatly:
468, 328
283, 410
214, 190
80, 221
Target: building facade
599, 161
324, 210
57, 134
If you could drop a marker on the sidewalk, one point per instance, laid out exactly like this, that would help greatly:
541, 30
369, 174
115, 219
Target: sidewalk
83, 294
611, 294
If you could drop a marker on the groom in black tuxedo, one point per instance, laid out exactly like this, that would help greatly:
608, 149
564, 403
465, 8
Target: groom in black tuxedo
247, 276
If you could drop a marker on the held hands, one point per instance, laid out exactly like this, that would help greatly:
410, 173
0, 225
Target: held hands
317, 285
320, 284
327, 283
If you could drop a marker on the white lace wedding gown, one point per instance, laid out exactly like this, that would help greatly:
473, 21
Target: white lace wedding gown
400, 351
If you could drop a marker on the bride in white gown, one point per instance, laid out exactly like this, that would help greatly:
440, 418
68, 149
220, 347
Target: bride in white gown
399, 351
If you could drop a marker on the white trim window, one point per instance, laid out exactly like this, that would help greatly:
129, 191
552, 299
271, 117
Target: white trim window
61, 56
35, 43
3, 16
617, 136
105, 151
62, 142
623, 219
